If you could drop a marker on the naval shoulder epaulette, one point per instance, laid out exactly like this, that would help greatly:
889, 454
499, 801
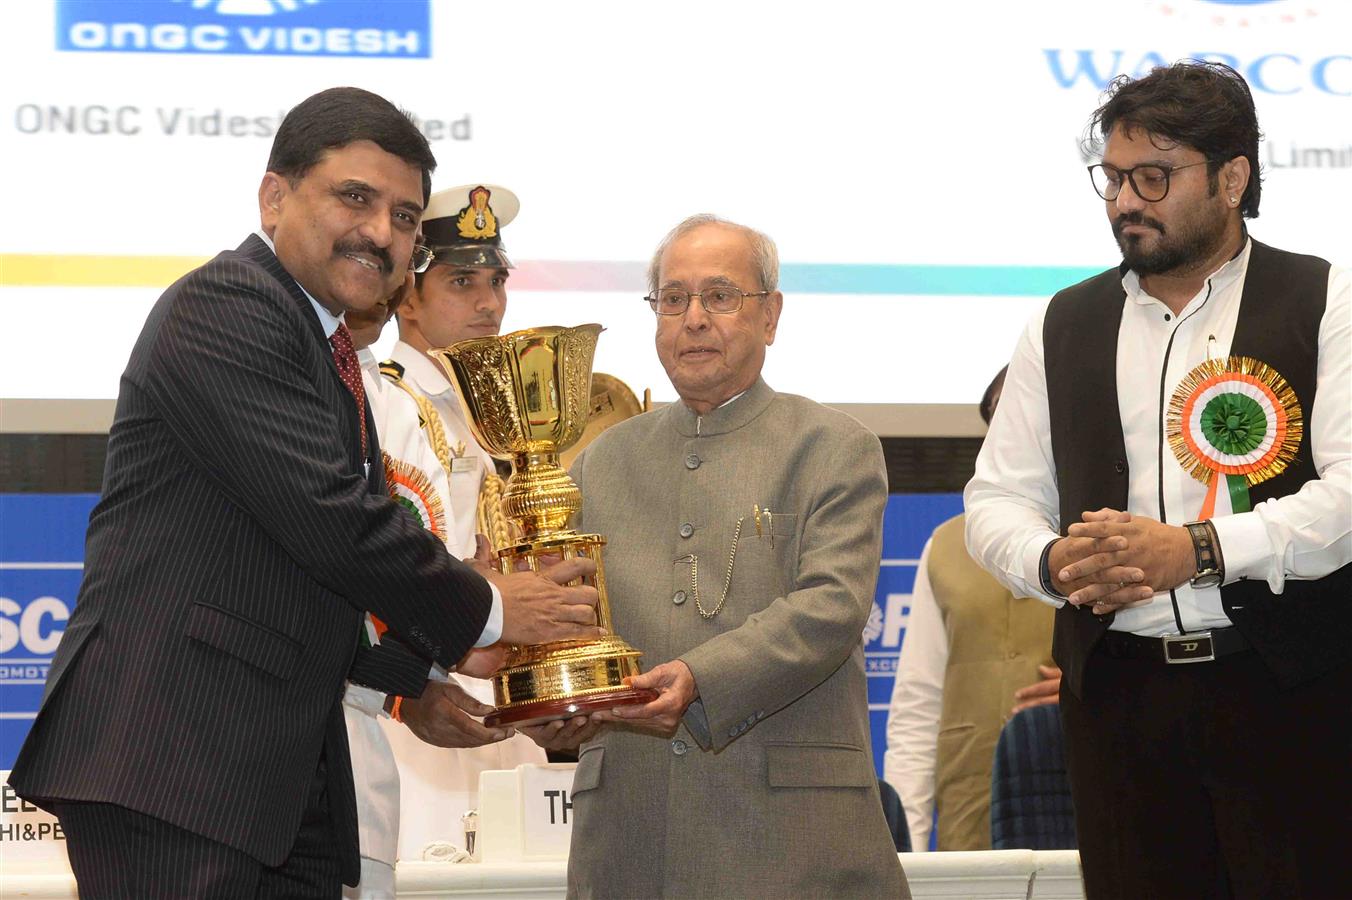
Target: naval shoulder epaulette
394, 371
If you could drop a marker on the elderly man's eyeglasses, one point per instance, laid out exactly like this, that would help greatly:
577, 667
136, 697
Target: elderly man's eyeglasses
721, 300
420, 260
1151, 183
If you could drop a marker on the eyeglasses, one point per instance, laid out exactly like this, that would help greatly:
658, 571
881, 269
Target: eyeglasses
719, 300
420, 260
1151, 183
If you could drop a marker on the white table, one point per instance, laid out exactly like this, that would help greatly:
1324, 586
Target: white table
988, 875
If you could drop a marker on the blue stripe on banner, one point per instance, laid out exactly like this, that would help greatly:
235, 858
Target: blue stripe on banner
908, 521
44, 528
994, 281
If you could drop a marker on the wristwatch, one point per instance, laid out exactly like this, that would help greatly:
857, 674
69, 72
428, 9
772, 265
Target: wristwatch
1045, 572
1210, 564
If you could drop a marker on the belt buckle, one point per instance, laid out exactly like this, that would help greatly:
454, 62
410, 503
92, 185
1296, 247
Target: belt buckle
1188, 648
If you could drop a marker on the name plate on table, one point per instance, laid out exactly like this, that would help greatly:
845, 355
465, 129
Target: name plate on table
526, 813
26, 832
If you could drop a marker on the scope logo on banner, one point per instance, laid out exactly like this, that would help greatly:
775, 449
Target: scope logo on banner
41, 564
250, 27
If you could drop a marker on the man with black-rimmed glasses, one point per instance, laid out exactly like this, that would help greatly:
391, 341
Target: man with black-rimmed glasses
1170, 466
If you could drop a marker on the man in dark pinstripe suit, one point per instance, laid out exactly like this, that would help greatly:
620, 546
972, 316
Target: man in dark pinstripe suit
191, 736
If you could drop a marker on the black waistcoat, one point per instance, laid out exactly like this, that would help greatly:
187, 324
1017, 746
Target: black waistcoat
1300, 633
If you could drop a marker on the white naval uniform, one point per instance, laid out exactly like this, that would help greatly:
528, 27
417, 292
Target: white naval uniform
376, 779
438, 785
424, 375
375, 775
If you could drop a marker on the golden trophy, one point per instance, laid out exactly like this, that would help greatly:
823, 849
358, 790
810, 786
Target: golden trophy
527, 397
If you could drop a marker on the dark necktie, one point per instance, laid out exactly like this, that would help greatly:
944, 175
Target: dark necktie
345, 357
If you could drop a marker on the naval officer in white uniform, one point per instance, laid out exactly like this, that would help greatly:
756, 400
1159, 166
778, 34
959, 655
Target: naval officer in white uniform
461, 295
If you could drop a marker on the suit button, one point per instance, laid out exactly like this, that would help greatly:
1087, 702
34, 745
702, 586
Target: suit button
1120, 466
679, 747
678, 598
692, 461
687, 529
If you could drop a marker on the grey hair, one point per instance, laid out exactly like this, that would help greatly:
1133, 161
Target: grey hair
764, 253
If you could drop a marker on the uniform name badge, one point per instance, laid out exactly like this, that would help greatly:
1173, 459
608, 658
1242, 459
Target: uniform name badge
464, 464
1234, 420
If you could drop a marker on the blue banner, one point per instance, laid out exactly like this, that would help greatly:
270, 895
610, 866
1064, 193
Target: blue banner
42, 562
247, 27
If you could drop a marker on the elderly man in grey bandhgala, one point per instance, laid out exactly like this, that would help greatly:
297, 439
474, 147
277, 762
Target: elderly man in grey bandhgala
744, 529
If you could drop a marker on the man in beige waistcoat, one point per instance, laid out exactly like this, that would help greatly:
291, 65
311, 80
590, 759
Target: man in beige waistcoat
744, 531
972, 651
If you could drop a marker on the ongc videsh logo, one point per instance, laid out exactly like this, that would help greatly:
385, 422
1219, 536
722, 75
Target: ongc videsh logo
250, 27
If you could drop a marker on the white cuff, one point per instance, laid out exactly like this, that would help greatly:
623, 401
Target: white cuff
1031, 574
1246, 550
492, 632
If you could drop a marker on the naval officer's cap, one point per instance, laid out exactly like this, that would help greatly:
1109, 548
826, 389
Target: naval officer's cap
462, 226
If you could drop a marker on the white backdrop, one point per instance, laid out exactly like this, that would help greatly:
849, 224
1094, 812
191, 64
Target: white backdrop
871, 140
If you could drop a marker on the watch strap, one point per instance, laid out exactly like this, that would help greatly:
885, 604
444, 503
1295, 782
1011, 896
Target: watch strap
1207, 548
1044, 572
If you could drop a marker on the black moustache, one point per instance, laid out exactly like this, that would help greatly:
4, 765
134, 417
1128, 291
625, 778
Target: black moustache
1136, 218
386, 264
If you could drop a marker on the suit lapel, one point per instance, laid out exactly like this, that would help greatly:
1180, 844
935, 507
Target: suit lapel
257, 251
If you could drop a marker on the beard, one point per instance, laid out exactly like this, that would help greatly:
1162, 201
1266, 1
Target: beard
1178, 248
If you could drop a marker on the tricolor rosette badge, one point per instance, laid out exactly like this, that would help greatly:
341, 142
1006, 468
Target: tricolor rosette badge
1234, 420
410, 487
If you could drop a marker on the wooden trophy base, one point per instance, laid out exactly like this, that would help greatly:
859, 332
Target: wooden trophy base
542, 711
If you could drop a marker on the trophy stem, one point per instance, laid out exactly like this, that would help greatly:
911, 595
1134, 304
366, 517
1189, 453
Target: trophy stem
540, 496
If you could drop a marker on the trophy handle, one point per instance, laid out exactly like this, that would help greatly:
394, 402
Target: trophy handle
492, 521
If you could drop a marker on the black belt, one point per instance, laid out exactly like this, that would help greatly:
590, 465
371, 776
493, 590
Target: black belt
1198, 646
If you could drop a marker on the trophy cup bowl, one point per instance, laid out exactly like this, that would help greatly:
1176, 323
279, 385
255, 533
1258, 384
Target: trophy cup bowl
527, 398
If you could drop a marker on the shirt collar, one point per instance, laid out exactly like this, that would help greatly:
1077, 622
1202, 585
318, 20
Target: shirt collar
728, 417
327, 320
1230, 271
421, 370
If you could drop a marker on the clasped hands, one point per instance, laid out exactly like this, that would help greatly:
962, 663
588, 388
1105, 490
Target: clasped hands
1112, 560
550, 605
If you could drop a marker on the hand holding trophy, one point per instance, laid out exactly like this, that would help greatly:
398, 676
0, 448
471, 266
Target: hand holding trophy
527, 398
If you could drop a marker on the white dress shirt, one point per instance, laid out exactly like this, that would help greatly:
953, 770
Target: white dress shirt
917, 702
1012, 502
